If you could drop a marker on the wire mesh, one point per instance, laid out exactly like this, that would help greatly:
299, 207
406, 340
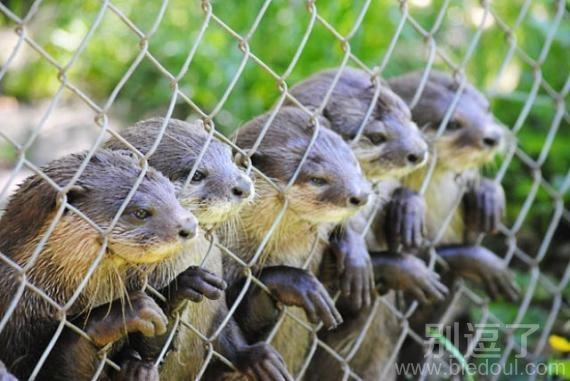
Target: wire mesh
98, 65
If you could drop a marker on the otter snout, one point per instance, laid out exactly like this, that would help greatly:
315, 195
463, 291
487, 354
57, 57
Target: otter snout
242, 189
417, 157
358, 199
188, 228
492, 139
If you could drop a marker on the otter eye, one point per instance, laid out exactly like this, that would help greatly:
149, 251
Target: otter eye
198, 176
453, 125
142, 214
377, 139
318, 181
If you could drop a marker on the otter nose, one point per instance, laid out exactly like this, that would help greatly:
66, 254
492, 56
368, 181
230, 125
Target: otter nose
242, 189
491, 140
188, 229
416, 157
358, 200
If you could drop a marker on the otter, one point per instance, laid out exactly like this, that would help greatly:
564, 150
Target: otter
378, 126
83, 211
328, 188
214, 190
471, 139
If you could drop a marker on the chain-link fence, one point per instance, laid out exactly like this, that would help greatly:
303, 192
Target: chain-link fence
74, 73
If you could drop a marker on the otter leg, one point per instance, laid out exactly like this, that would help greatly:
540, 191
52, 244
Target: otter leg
76, 358
297, 287
406, 213
139, 314
259, 361
409, 274
484, 206
193, 284
483, 267
353, 267
290, 286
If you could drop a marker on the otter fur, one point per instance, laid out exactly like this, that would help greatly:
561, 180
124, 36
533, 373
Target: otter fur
152, 227
328, 189
388, 145
471, 139
216, 190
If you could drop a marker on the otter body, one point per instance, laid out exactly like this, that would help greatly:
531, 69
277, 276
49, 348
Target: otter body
388, 145
456, 193
215, 192
329, 188
152, 228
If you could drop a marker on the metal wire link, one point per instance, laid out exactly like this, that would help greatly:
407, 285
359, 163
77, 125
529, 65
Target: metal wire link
282, 71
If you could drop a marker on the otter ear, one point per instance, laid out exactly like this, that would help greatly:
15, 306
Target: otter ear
259, 160
76, 193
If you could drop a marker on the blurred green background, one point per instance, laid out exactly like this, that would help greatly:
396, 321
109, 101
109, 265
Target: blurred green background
541, 30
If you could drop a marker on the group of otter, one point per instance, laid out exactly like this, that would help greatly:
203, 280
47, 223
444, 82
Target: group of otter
166, 255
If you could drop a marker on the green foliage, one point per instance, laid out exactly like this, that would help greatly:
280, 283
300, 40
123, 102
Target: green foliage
101, 64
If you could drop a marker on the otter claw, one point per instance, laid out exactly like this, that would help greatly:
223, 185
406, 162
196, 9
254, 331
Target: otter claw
195, 283
482, 266
405, 213
261, 362
409, 274
140, 314
484, 207
297, 287
353, 267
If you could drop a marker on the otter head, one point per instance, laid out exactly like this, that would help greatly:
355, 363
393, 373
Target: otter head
388, 143
153, 225
471, 137
217, 188
329, 187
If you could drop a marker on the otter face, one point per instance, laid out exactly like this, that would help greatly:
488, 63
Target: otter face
390, 144
330, 186
152, 227
217, 189
471, 137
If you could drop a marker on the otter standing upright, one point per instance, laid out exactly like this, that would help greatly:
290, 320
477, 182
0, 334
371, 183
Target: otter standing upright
151, 228
471, 139
388, 145
327, 187
216, 190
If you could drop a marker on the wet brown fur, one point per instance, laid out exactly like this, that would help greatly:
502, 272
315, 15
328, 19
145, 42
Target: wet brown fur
460, 151
74, 245
389, 137
301, 236
384, 163
213, 202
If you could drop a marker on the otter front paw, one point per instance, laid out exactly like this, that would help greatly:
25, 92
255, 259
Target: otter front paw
137, 370
405, 216
409, 274
354, 266
297, 287
140, 313
261, 362
483, 267
195, 283
484, 207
